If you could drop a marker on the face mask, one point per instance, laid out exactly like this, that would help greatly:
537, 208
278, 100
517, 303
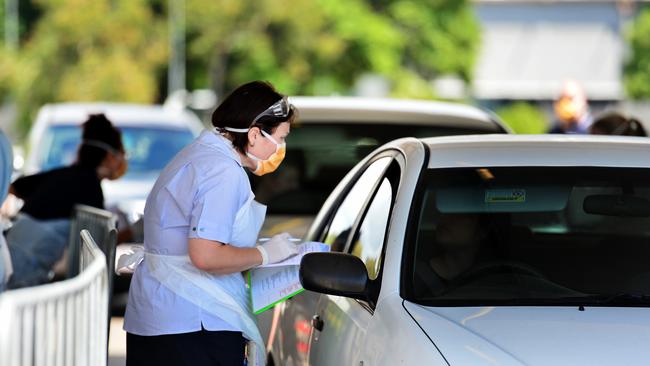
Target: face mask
265, 166
568, 109
121, 170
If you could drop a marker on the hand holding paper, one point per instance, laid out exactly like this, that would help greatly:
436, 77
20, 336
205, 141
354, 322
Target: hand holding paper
301, 250
277, 249
274, 282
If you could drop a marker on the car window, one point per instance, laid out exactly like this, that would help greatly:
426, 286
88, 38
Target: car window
532, 235
347, 213
319, 155
370, 238
148, 149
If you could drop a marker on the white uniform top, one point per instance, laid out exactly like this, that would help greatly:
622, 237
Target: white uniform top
197, 195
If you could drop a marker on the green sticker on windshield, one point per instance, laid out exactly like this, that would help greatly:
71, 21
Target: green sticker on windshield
505, 196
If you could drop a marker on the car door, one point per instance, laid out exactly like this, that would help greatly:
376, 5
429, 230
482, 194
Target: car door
290, 339
339, 323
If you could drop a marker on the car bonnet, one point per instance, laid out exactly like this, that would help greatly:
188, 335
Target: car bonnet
530, 335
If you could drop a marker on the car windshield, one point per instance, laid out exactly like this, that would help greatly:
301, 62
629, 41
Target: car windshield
531, 236
148, 148
320, 154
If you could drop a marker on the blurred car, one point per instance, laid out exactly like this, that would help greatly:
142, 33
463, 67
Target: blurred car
479, 250
335, 133
152, 135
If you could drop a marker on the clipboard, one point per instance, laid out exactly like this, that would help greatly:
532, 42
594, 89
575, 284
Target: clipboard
272, 284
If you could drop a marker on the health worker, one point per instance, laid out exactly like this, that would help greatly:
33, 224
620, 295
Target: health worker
188, 303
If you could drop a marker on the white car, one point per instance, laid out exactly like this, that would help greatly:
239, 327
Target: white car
152, 135
479, 250
335, 133
332, 135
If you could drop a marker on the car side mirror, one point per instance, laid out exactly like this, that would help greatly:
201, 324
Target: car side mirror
334, 274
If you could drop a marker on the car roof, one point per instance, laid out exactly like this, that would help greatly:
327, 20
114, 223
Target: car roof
121, 114
388, 111
537, 150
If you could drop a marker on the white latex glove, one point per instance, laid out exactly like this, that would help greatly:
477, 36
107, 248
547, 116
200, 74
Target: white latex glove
277, 249
128, 257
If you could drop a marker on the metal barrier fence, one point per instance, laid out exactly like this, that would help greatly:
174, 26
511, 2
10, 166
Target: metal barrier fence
62, 323
99, 223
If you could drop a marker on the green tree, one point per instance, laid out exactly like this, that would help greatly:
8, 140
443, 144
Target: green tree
6, 72
89, 50
2, 22
117, 49
523, 118
323, 46
637, 70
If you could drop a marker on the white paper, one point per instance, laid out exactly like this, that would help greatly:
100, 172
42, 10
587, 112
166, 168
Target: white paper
304, 248
273, 283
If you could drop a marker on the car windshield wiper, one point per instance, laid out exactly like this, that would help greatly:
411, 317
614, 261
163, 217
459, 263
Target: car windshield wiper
620, 299
623, 298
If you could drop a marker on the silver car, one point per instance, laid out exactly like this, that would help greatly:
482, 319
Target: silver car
332, 135
479, 250
335, 133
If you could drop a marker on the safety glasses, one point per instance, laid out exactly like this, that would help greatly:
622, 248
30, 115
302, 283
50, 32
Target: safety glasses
279, 109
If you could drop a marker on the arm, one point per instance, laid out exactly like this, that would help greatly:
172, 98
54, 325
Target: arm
25, 186
216, 257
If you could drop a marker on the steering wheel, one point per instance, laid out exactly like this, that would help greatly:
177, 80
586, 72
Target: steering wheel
498, 267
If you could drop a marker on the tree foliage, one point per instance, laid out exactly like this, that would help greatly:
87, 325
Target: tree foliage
85, 50
2, 21
117, 50
637, 70
323, 46
524, 118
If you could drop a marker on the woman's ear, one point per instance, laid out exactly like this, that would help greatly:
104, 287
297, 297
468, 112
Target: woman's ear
253, 133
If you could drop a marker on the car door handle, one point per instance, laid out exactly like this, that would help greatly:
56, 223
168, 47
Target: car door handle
317, 323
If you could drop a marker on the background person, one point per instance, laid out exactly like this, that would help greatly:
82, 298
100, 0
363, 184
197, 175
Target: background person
614, 123
458, 240
571, 110
188, 303
38, 237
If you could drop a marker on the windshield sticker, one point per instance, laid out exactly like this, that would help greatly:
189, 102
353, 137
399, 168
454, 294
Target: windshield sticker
505, 196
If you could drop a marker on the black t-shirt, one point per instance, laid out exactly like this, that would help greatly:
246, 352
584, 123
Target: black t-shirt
53, 194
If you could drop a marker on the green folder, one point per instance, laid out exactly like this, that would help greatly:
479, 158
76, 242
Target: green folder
259, 304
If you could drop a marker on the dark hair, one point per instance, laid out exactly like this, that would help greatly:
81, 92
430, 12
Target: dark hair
240, 108
616, 124
98, 129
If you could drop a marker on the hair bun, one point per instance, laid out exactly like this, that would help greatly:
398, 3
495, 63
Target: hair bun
96, 126
99, 127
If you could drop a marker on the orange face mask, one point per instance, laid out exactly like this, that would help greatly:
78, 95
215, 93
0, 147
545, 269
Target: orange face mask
121, 170
265, 166
569, 109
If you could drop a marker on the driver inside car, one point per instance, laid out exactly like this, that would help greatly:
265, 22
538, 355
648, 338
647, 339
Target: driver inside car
459, 238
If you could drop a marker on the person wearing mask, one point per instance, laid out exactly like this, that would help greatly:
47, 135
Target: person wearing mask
458, 239
188, 303
571, 110
40, 232
616, 124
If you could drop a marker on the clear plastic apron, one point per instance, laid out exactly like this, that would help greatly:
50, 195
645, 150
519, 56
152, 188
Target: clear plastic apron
224, 296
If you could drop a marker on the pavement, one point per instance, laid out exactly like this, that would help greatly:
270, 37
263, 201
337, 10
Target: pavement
117, 343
